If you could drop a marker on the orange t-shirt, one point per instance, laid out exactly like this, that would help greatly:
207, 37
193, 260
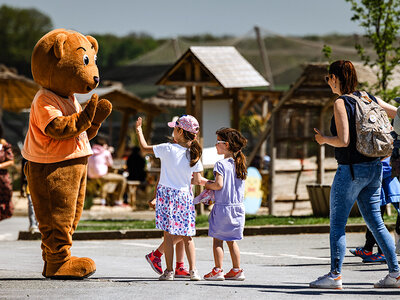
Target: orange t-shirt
41, 148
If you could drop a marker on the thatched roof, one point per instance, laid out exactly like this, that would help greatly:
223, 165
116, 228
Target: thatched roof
121, 100
220, 66
16, 91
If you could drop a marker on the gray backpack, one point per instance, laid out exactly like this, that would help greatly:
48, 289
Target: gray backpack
372, 127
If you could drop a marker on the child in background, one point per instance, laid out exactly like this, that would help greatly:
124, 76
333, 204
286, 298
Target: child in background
390, 193
175, 213
227, 217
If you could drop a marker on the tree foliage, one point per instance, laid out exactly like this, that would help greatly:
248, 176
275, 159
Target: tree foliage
20, 29
116, 50
381, 21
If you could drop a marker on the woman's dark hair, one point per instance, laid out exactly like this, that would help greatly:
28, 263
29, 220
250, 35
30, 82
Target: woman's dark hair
346, 73
1, 131
236, 142
195, 148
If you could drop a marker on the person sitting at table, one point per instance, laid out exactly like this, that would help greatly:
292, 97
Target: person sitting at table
98, 165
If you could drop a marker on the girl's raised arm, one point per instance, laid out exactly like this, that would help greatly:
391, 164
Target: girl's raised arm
146, 149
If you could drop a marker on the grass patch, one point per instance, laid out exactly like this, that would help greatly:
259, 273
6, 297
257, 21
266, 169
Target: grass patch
202, 221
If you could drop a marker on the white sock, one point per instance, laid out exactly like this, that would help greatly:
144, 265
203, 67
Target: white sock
394, 274
217, 269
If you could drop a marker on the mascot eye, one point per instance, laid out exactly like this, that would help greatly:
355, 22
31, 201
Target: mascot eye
95, 59
86, 60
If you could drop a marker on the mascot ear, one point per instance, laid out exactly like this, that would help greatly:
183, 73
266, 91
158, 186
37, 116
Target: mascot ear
59, 45
94, 43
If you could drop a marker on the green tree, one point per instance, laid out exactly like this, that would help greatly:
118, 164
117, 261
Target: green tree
20, 29
381, 21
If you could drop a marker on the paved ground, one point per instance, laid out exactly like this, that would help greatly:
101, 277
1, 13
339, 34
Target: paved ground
279, 267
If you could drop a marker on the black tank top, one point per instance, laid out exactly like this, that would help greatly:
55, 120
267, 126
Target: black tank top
349, 155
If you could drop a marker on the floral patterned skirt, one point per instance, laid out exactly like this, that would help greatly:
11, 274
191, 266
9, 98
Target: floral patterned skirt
175, 211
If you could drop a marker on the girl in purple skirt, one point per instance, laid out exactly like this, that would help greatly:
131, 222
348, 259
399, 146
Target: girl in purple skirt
226, 220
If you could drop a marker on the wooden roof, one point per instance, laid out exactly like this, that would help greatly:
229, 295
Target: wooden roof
121, 100
220, 66
310, 89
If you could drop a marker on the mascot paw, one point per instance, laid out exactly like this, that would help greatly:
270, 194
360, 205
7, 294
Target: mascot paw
90, 108
103, 109
74, 268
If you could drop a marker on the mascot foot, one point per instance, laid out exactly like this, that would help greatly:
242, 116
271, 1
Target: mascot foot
74, 268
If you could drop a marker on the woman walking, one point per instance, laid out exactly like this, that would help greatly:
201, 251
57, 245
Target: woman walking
358, 177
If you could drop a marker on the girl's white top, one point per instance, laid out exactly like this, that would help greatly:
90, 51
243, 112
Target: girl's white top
175, 166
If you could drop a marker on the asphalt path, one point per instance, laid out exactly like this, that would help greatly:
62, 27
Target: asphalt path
277, 267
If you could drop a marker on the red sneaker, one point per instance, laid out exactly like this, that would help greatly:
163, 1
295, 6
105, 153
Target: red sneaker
182, 273
215, 275
232, 275
155, 262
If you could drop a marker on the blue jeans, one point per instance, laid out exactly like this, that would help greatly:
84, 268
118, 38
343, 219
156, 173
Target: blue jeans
366, 189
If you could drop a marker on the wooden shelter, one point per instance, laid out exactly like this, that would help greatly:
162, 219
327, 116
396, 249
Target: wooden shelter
16, 91
127, 103
306, 105
220, 68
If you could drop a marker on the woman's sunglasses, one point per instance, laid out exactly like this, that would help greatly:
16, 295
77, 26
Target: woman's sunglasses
220, 142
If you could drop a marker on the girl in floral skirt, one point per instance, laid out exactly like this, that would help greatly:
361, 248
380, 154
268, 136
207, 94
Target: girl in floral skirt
180, 166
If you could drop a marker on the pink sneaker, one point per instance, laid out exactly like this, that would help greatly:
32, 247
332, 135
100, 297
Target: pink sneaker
155, 262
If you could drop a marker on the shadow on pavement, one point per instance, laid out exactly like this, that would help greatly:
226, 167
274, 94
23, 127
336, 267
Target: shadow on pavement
296, 289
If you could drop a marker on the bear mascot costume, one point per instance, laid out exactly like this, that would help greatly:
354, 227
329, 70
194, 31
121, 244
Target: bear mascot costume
57, 144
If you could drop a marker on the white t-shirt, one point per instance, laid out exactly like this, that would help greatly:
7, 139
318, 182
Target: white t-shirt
175, 166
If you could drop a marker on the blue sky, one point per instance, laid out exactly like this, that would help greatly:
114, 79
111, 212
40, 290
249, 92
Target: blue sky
170, 18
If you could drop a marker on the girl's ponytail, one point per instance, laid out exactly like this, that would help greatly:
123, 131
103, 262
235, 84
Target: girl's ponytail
195, 148
240, 164
195, 152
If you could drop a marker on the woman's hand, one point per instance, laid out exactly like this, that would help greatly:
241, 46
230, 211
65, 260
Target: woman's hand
320, 139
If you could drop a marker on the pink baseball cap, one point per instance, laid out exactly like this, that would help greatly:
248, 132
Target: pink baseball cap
186, 122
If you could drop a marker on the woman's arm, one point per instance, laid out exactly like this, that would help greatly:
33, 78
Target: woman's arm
342, 126
215, 185
389, 109
146, 149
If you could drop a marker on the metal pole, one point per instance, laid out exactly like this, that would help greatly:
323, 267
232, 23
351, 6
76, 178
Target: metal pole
264, 58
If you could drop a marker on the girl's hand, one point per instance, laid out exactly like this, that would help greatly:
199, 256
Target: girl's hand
152, 203
139, 124
319, 137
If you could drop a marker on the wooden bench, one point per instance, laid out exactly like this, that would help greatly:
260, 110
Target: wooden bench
131, 187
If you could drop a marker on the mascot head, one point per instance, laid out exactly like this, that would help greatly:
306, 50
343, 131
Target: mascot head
64, 61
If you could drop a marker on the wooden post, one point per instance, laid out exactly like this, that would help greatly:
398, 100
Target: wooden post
263, 147
122, 134
198, 106
198, 114
321, 148
271, 178
189, 89
235, 109
149, 126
